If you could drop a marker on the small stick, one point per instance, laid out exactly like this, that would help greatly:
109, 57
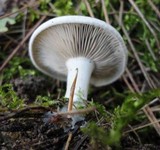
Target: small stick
20, 10
21, 43
142, 126
13, 114
154, 8
70, 103
121, 10
75, 112
68, 141
145, 21
128, 84
89, 8
150, 50
105, 11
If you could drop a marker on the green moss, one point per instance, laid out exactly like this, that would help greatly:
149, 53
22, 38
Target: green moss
120, 118
9, 98
64, 7
46, 101
18, 66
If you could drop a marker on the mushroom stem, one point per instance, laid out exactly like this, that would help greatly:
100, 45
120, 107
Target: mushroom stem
85, 68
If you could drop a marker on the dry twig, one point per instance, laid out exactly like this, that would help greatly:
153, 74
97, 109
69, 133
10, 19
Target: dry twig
89, 8
142, 126
21, 43
154, 8
146, 109
105, 11
70, 103
145, 21
20, 10
68, 141
13, 114
77, 112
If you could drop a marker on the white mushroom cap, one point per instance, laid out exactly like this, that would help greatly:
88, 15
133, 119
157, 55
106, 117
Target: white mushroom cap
62, 38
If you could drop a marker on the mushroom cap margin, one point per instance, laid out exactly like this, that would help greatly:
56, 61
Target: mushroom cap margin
78, 20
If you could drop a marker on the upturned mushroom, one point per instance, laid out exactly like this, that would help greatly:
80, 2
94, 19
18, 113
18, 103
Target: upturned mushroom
63, 45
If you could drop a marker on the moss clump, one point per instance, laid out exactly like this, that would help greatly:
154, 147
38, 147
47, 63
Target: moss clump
121, 117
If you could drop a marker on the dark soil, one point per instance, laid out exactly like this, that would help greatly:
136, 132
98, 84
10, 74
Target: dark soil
28, 88
29, 129
33, 133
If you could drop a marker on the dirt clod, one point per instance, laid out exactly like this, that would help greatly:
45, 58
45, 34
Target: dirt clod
31, 86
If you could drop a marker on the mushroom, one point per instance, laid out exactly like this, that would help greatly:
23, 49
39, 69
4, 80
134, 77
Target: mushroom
65, 46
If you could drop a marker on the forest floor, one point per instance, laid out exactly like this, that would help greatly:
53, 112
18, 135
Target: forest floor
30, 101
